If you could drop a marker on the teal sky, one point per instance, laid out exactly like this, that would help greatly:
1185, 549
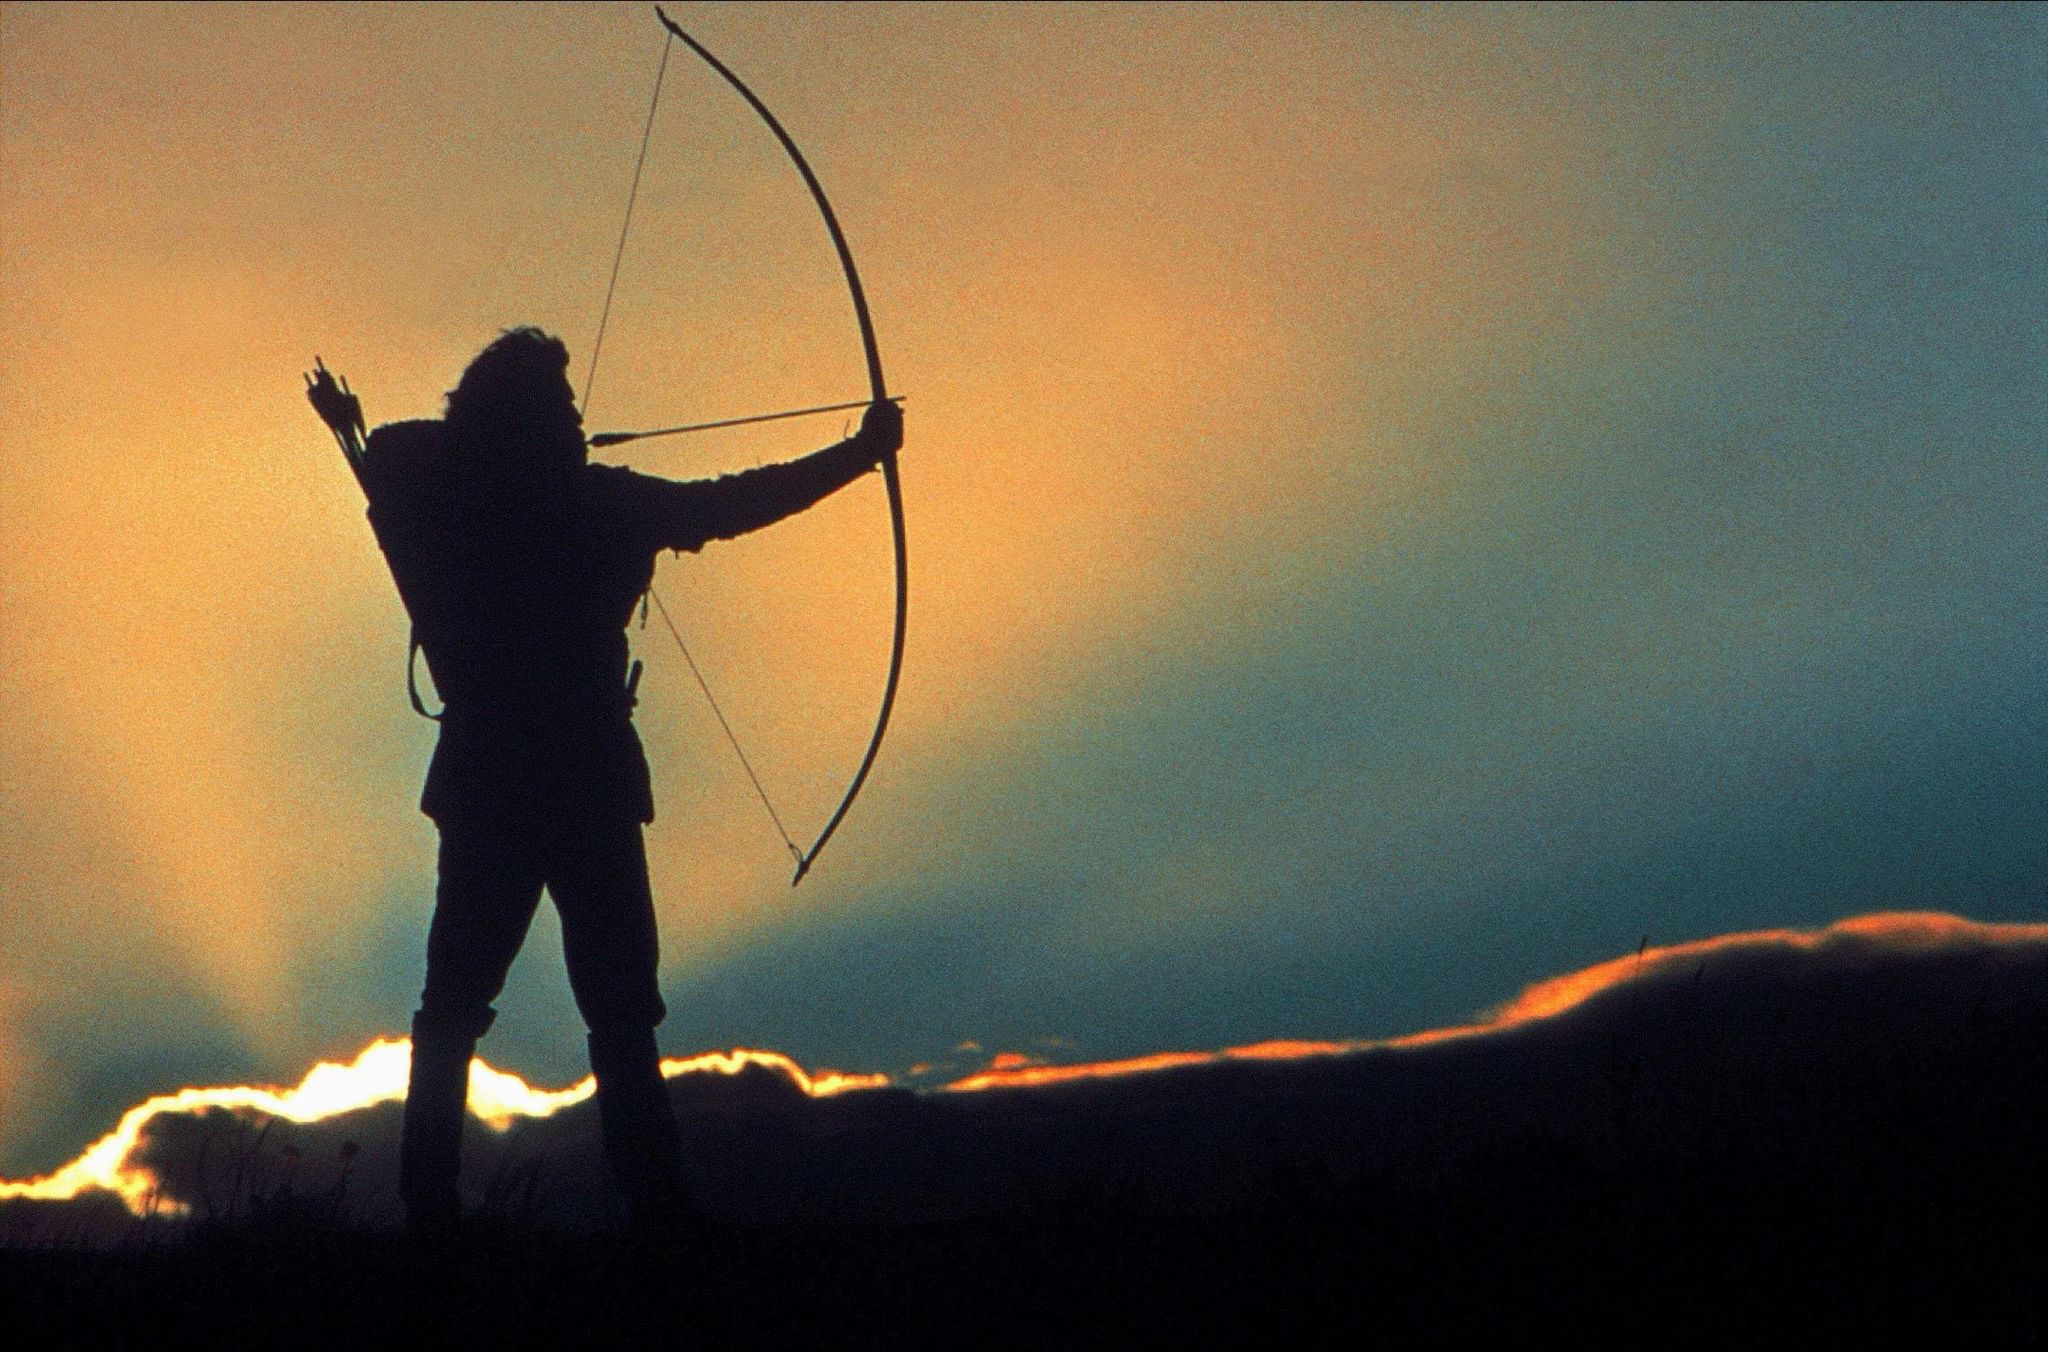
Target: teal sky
1402, 503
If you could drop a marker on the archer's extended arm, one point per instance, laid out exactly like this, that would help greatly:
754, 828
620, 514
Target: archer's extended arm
687, 515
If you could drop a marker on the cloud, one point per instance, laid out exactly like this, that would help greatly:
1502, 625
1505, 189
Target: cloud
128, 1161
1738, 1035
1843, 949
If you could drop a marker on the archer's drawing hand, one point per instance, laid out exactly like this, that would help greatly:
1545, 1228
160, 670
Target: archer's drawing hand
881, 428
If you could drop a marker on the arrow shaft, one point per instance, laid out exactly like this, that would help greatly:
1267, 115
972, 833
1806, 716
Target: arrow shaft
603, 439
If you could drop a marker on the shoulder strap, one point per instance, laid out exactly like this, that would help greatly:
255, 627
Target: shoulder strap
412, 688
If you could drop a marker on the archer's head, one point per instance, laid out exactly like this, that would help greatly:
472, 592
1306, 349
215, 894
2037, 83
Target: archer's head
514, 404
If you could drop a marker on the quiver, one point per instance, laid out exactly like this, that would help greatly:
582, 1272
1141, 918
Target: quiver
408, 479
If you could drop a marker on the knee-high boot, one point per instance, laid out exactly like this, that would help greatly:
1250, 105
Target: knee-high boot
642, 1144
430, 1146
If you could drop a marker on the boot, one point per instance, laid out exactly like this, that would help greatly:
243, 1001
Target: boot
642, 1144
430, 1145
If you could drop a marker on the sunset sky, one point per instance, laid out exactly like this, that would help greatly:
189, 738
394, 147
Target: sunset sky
1402, 503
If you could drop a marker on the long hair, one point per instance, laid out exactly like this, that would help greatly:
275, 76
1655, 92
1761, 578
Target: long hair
507, 412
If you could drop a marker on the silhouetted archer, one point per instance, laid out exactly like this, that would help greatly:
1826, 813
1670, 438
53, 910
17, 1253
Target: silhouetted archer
521, 563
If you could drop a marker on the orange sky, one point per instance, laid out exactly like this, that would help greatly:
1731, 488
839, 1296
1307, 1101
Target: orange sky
199, 629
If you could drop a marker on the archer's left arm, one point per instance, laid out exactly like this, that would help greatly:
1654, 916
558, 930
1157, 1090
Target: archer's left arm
687, 515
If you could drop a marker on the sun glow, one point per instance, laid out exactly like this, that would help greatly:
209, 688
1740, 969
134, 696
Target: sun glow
377, 1075
824, 1084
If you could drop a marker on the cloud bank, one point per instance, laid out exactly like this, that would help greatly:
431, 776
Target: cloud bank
1743, 1035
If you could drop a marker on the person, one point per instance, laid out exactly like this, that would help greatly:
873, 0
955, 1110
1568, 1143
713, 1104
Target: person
521, 564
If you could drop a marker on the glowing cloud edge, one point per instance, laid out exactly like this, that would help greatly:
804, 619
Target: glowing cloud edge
377, 1075
1547, 998
498, 1098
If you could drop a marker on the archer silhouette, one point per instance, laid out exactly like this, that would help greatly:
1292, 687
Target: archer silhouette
521, 564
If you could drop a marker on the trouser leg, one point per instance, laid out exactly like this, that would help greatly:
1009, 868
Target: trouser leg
642, 1143
599, 883
430, 1143
489, 887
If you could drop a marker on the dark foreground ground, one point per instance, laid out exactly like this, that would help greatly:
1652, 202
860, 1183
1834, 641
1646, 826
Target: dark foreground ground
1715, 1252
1788, 1153
1904, 1235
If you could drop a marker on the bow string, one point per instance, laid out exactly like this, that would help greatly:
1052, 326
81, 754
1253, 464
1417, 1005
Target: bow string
878, 392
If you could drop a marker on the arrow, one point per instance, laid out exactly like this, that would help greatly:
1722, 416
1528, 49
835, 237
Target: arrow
603, 439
